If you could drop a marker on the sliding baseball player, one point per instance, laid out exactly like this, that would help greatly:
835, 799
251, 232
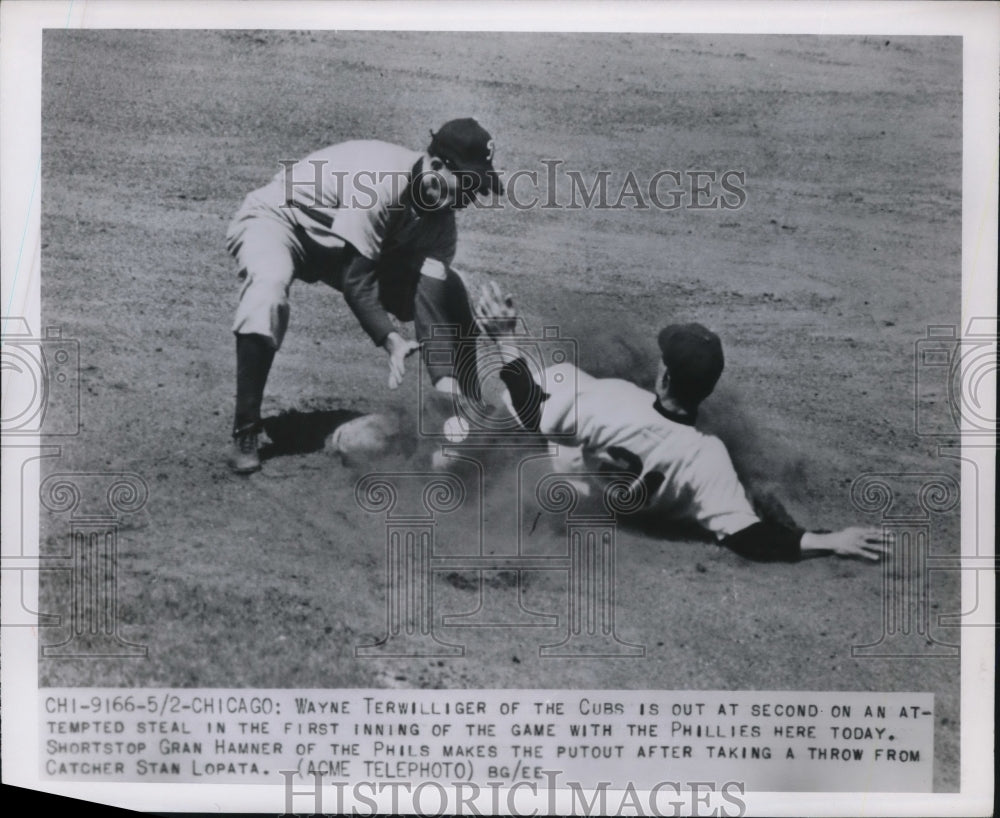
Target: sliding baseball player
684, 474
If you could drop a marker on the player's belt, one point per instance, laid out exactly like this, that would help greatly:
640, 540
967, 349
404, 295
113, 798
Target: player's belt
316, 215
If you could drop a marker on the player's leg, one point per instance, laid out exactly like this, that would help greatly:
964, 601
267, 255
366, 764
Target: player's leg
266, 254
442, 301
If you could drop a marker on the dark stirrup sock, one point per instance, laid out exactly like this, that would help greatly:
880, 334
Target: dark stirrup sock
254, 356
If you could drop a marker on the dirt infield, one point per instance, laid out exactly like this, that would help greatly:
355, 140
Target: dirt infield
847, 247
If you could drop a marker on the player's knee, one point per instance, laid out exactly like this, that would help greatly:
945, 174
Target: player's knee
264, 290
263, 310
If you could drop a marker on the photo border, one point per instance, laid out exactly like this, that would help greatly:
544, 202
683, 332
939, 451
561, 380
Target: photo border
22, 23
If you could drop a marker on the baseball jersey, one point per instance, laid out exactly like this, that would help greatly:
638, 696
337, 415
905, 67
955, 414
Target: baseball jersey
616, 423
355, 192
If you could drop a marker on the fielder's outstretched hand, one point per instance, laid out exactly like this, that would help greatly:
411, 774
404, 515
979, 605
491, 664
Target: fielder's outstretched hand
398, 349
495, 313
856, 542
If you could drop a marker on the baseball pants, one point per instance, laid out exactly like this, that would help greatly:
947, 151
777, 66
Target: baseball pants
271, 251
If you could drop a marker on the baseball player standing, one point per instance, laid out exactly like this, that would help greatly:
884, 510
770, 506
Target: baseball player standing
687, 475
375, 221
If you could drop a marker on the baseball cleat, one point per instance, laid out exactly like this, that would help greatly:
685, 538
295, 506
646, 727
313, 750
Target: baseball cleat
244, 457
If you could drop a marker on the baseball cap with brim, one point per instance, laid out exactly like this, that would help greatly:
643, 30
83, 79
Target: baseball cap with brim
465, 146
693, 356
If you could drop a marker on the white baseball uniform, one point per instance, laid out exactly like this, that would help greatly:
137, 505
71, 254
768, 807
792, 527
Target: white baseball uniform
614, 423
305, 221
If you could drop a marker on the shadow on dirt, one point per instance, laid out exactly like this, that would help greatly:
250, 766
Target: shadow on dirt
296, 432
657, 528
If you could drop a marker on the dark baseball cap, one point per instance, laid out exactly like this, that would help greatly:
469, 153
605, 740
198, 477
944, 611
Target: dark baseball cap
693, 356
465, 145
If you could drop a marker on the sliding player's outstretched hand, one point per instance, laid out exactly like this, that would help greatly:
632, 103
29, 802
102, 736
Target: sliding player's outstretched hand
856, 542
495, 313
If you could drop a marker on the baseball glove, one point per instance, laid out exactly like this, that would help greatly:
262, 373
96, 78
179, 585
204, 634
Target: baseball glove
495, 313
